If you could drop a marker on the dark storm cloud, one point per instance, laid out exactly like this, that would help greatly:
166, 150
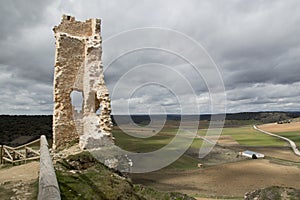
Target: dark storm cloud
259, 45
26, 58
255, 44
16, 15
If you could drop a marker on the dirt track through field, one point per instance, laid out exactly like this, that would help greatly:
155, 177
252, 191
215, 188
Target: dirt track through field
233, 179
291, 142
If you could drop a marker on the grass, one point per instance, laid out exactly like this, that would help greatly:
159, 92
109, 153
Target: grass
35, 186
293, 135
247, 136
92, 181
185, 162
156, 142
135, 144
82, 177
237, 123
244, 135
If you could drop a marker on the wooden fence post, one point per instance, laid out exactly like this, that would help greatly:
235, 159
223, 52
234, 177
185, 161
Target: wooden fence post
1, 154
13, 158
26, 152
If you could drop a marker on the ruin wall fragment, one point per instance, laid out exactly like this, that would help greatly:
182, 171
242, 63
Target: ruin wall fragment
78, 67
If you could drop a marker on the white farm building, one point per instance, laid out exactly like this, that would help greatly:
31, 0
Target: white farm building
252, 154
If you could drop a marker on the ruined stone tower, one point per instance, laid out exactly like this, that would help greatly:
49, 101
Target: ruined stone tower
78, 67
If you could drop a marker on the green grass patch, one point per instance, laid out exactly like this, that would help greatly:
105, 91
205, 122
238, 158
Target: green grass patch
184, 162
142, 145
91, 180
159, 141
293, 135
81, 176
236, 123
247, 136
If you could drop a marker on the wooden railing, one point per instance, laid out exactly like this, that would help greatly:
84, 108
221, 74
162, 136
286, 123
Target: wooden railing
23, 153
48, 185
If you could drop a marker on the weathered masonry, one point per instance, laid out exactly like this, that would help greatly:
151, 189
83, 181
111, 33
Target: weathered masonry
78, 67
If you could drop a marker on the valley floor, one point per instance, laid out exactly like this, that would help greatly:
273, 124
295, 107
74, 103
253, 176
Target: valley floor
226, 180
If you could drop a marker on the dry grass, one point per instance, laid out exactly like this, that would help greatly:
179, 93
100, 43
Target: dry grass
224, 140
277, 128
227, 180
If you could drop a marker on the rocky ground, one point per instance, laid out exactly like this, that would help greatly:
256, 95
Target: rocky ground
81, 176
273, 193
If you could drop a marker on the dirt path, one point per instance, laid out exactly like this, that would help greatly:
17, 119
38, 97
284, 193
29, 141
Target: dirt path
19, 182
292, 143
25, 172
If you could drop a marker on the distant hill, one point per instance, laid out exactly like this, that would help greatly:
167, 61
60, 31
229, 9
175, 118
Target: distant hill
13, 127
263, 117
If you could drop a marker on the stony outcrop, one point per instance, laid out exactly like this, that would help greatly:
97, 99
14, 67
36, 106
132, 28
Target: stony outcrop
78, 67
272, 193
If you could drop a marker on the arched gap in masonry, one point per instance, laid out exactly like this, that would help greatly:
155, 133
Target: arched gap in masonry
77, 100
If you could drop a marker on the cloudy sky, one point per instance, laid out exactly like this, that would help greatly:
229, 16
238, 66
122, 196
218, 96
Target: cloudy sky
161, 56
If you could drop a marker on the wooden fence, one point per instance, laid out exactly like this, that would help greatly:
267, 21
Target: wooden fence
38, 149
20, 154
48, 185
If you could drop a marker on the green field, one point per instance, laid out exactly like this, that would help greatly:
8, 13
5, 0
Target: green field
293, 135
244, 135
247, 136
135, 144
156, 142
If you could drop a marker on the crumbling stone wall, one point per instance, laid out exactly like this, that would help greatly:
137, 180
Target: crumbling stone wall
78, 67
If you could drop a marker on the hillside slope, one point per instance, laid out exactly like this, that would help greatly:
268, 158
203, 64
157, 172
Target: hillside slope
81, 176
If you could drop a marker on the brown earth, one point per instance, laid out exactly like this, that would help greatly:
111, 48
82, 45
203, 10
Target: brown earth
19, 182
224, 140
230, 180
276, 128
26, 172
